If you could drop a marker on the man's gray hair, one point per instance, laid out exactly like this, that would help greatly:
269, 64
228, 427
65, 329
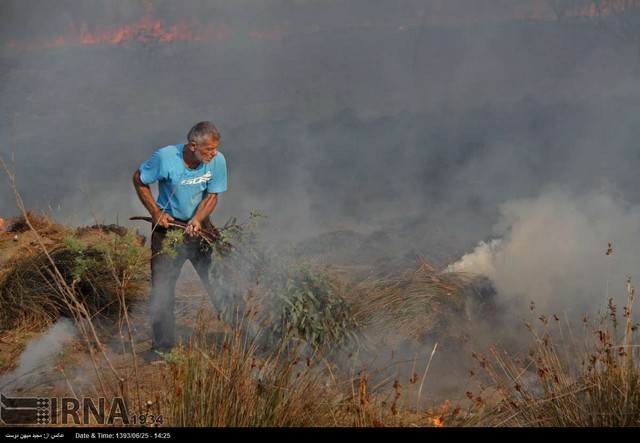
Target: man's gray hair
202, 131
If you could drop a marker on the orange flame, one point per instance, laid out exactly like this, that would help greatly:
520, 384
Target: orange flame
147, 29
436, 418
2, 225
150, 29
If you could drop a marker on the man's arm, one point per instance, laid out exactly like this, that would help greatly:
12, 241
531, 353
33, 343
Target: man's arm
205, 208
146, 197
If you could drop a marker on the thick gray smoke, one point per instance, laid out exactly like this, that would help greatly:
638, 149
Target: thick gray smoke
338, 114
551, 250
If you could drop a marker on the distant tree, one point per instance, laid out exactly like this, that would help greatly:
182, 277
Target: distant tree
566, 9
620, 17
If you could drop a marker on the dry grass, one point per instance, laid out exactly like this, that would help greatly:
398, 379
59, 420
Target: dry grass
414, 304
28, 221
232, 382
86, 262
570, 382
13, 342
230, 379
121, 259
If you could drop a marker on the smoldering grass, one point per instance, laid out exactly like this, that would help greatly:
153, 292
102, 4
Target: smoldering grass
413, 304
565, 382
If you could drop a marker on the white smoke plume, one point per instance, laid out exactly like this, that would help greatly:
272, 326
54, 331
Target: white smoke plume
551, 250
39, 357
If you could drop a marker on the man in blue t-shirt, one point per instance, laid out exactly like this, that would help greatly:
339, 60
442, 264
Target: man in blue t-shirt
190, 176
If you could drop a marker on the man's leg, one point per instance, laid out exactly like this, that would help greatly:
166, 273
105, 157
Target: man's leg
165, 271
216, 282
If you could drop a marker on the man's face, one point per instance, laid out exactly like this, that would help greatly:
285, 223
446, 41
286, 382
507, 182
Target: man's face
207, 150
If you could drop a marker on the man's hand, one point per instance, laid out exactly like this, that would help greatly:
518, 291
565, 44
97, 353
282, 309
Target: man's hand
193, 227
161, 218
205, 208
158, 217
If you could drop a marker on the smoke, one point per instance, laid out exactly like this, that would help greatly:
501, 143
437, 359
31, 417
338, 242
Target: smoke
356, 115
416, 124
39, 357
551, 250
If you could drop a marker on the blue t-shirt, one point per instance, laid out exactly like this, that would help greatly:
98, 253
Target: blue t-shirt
182, 189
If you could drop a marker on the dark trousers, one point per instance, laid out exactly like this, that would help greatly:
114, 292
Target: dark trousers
165, 270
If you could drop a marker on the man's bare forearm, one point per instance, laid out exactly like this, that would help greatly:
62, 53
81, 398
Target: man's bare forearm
145, 195
206, 207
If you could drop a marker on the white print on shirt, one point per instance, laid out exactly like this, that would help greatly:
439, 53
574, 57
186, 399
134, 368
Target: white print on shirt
194, 181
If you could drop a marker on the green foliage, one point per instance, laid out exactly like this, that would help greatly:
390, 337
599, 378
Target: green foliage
175, 357
127, 247
121, 253
83, 266
94, 266
74, 244
298, 300
124, 253
235, 256
311, 309
172, 239
234, 233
